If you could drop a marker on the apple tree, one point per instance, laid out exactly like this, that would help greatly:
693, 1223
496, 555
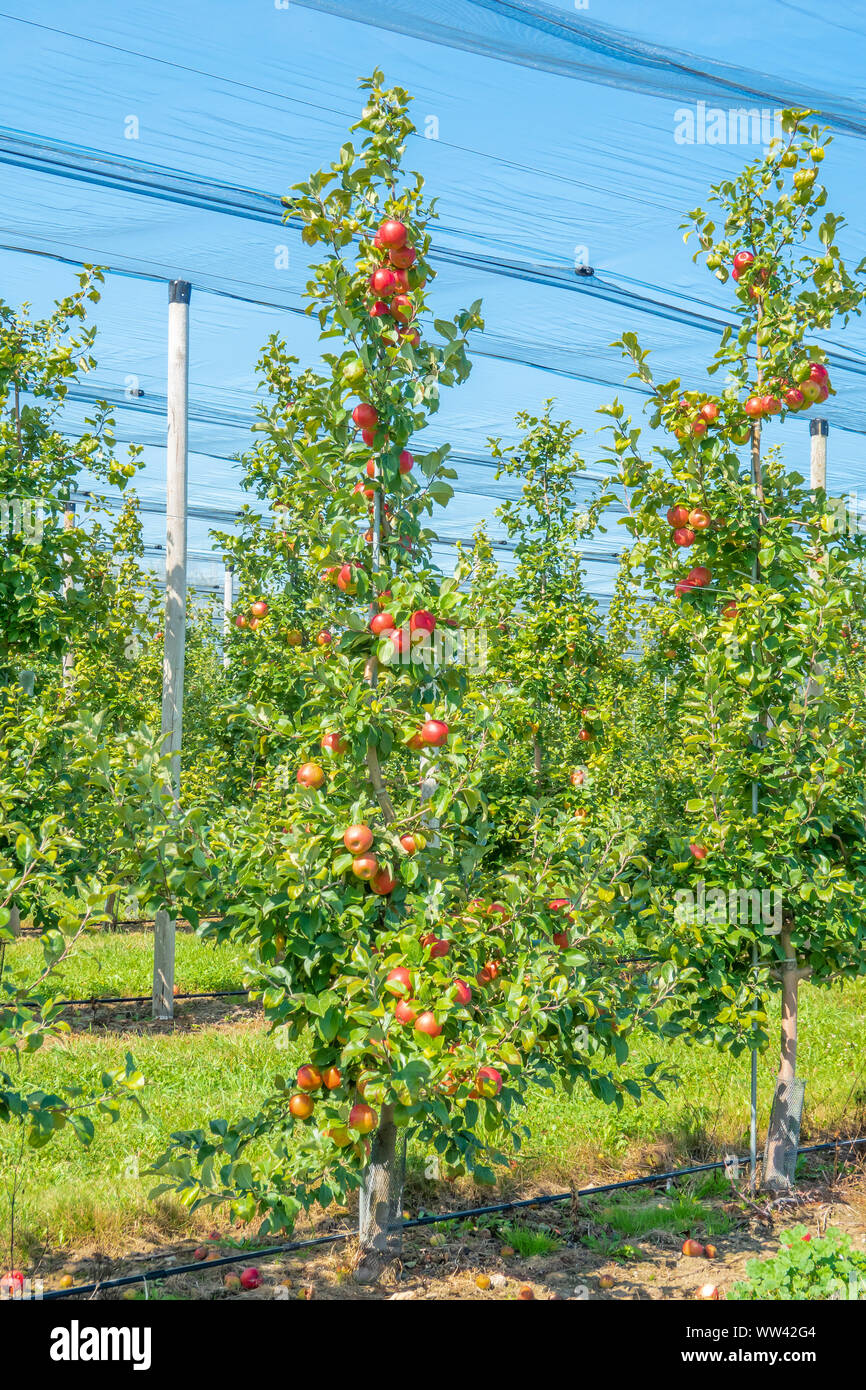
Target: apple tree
758, 591
354, 882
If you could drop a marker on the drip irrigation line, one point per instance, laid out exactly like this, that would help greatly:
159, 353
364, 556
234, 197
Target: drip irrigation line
98, 1001
432, 1219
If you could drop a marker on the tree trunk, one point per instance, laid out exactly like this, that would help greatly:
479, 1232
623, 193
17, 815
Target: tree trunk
536, 758
380, 1231
779, 1138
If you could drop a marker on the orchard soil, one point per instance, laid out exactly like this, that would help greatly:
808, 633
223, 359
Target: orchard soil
473, 1260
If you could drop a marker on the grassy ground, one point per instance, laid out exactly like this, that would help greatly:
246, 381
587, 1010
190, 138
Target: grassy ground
220, 1062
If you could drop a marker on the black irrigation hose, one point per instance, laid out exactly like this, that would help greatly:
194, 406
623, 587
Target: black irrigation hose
432, 1220
146, 998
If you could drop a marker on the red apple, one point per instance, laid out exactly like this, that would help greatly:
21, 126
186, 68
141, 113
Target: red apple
698, 519
437, 945
393, 234
402, 308
406, 461
399, 981
684, 536
323, 639
488, 1081
426, 1023
678, 516
434, 733
560, 939
379, 310
333, 743
332, 1078
794, 398
699, 851
383, 280
811, 390
250, 1279
461, 993
409, 844
754, 407
730, 611
404, 1011
363, 1118
422, 621
818, 372
310, 775
382, 623
699, 576
259, 609
383, 883
699, 426
12, 1284
241, 620
693, 1248
772, 405
402, 256
302, 1106
742, 259
309, 1078
710, 412
366, 416
357, 838
585, 735
682, 586
365, 867
578, 777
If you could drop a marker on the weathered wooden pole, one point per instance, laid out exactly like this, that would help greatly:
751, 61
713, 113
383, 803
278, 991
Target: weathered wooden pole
228, 605
175, 600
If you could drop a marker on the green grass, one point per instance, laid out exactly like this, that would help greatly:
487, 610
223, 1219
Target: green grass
678, 1213
72, 1196
529, 1240
121, 963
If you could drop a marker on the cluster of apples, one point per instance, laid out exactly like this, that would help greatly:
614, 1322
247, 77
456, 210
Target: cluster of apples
564, 905
383, 624
358, 840
686, 522
389, 282
362, 1117
253, 617
808, 385
343, 577
399, 982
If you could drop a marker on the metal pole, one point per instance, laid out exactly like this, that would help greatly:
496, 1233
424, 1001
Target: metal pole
818, 429
175, 600
68, 656
228, 605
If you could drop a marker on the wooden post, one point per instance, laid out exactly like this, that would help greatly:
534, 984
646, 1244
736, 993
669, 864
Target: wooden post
175, 600
228, 605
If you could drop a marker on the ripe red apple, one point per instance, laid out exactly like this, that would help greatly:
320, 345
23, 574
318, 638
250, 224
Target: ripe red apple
699, 426
250, 1279
382, 883
259, 609
402, 256
678, 516
309, 1078
323, 639
383, 280
311, 775
406, 461
357, 838
366, 416
346, 579
333, 743
699, 520
241, 620
699, 576
699, 851
437, 945
422, 621
754, 407
693, 1248
560, 939
585, 735
710, 412
302, 1106
409, 843
416, 743
402, 308
682, 586
461, 993
404, 1011
818, 372
742, 259
365, 866
434, 733
332, 1078
794, 398
559, 904
684, 536
772, 405
363, 1118
488, 1081
12, 1284
393, 234
399, 981
730, 611
426, 1023
382, 623
379, 310
578, 777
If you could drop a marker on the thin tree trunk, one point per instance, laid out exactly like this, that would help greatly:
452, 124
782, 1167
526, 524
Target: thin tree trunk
536, 758
380, 1232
